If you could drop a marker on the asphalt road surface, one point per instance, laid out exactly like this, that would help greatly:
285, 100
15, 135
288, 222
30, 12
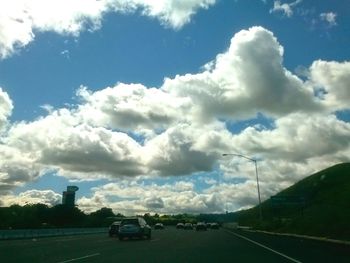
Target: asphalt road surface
172, 245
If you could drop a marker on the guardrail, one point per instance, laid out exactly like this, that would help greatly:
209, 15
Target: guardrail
37, 233
234, 225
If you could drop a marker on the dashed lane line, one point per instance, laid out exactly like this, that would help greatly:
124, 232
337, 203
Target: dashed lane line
76, 259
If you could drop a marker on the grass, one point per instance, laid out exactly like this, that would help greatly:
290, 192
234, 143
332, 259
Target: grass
318, 205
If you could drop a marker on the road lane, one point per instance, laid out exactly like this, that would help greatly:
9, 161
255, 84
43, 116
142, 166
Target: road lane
49, 249
169, 245
305, 250
209, 246
265, 247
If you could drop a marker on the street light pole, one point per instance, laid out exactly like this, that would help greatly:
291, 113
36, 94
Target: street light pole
256, 173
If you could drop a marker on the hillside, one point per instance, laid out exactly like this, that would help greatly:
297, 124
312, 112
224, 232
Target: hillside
317, 205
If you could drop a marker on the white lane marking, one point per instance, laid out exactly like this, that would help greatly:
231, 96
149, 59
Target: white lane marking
75, 259
263, 246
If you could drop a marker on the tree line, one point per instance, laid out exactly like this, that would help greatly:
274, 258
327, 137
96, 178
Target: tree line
32, 216
43, 216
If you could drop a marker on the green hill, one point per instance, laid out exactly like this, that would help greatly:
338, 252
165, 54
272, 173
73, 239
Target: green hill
318, 205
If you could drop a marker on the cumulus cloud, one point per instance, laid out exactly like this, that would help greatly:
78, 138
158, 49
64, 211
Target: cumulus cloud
136, 198
6, 107
135, 132
333, 79
185, 149
61, 142
154, 203
47, 197
320, 135
20, 20
132, 198
130, 107
16, 168
247, 79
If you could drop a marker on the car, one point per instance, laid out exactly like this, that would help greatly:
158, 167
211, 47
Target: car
214, 226
113, 229
134, 227
180, 226
201, 226
188, 226
159, 226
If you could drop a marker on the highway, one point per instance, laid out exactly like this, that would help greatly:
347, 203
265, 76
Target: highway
172, 245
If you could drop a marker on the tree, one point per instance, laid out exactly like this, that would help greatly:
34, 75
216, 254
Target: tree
101, 217
65, 216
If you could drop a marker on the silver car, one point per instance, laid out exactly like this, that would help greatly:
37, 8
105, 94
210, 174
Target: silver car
134, 227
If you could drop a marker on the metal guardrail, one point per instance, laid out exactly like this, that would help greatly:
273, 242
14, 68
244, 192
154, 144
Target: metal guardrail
37, 233
234, 225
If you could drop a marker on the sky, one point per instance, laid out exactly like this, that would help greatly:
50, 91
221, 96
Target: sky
135, 102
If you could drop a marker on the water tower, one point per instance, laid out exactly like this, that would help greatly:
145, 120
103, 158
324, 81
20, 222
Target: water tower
68, 197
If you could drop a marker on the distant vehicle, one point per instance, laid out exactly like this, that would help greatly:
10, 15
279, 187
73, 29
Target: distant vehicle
159, 226
134, 227
208, 225
188, 226
113, 229
214, 226
201, 226
180, 226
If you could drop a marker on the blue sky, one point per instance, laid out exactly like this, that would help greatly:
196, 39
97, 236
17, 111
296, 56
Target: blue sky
136, 102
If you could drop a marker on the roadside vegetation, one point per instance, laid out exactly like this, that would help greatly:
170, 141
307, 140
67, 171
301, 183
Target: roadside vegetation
318, 205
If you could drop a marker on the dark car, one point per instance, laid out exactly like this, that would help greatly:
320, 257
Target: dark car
114, 229
180, 226
159, 226
201, 226
134, 227
188, 226
214, 226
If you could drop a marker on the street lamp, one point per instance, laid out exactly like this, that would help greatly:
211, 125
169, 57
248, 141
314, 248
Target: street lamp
256, 172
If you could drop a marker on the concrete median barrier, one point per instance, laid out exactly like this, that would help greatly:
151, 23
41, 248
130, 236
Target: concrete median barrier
37, 233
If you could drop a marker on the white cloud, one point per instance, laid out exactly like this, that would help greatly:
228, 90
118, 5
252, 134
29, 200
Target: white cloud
16, 168
285, 8
154, 203
320, 135
138, 132
47, 197
21, 19
6, 107
329, 17
173, 12
59, 141
334, 79
130, 107
247, 79
138, 198
185, 149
